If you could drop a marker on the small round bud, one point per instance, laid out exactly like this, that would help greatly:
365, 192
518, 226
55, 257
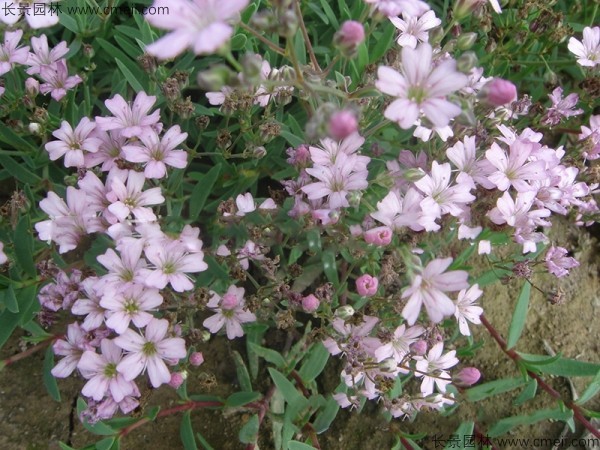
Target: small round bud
34, 128
215, 78
177, 380
378, 236
349, 37
464, 8
88, 51
342, 124
196, 359
419, 348
310, 303
466, 62
251, 65
467, 377
413, 174
344, 312
366, 285
499, 92
259, 152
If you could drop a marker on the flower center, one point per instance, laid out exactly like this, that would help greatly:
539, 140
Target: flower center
110, 370
149, 348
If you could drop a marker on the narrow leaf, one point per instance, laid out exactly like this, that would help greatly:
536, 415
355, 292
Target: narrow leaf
49, 380
202, 190
519, 316
187, 433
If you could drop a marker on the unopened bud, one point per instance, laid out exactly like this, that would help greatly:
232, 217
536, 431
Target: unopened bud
215, 78
466, 40
177, 380
344, 312
310, 303
342, 124
251, 65
413, 174
388, 365
32, 86
353, 198
259, 152
88, 51
366, 285
349, 37
467, 377
196, 359
498, 92
464, 8
466, 62
379, 236
419, 348
34, 128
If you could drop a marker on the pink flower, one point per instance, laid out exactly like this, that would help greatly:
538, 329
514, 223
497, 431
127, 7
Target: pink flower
73, 143
592, 137
157, 153
421, 88
366, 285
466, 310
171, 263
379, 236
396, 212
130, 120
499, 92
230, 311
10, 53
429, 286
463, 155
515, 170
393, 8
149, 352
130, 199
196, 359
199, 24
329, 149
123, 269
72, 349
131, 304
414, 29
89, 305
516, 213
337, 180
588, 51
109, 152
561, 107
101, 371
42, 56
431, 369
558, 263
57, 80
401, 344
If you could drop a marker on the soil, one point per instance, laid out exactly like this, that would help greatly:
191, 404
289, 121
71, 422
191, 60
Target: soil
30, 419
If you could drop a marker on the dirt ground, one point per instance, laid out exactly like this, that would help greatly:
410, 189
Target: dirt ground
30, 419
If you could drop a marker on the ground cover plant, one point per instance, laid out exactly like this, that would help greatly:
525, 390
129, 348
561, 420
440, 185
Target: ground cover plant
314, 186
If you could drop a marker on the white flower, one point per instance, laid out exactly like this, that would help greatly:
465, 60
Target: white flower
588, 51
415, 29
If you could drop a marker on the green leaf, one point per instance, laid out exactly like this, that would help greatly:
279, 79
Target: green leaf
204, 442
296, 445
106, 443
269, 355
505, 425
49, 380
465, 429
330, 14
202, 190
23, 240
592, 389
8, 323
241, 398
11, 138
527, 393
249, 432
496, 387
519, 316
314, 363
326, 416
68, 22
28, 304
187, 433
133, 82
562, 367
383, 42
238, 42
287, 388
10, 299
330, 268
242, 372
292, 139
18, 171
254, 334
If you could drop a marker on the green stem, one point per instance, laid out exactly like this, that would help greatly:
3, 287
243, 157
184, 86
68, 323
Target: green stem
309, 48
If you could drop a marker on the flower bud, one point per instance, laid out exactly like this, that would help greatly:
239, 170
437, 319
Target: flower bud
177, 380
344, 312
466, 62
388, 365
34, 128
366, 285
413, 174
32, 86
196, 359
464, 8
419, 348
215, 78
467, 377
310, 303
499, 92
349, 37
88, 51
466, 40
354, 198
342, 124
378, 236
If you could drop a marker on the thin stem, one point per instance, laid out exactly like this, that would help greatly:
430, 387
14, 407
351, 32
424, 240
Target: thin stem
309, 48
188, 406
541, 383
30, 351
277, 49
